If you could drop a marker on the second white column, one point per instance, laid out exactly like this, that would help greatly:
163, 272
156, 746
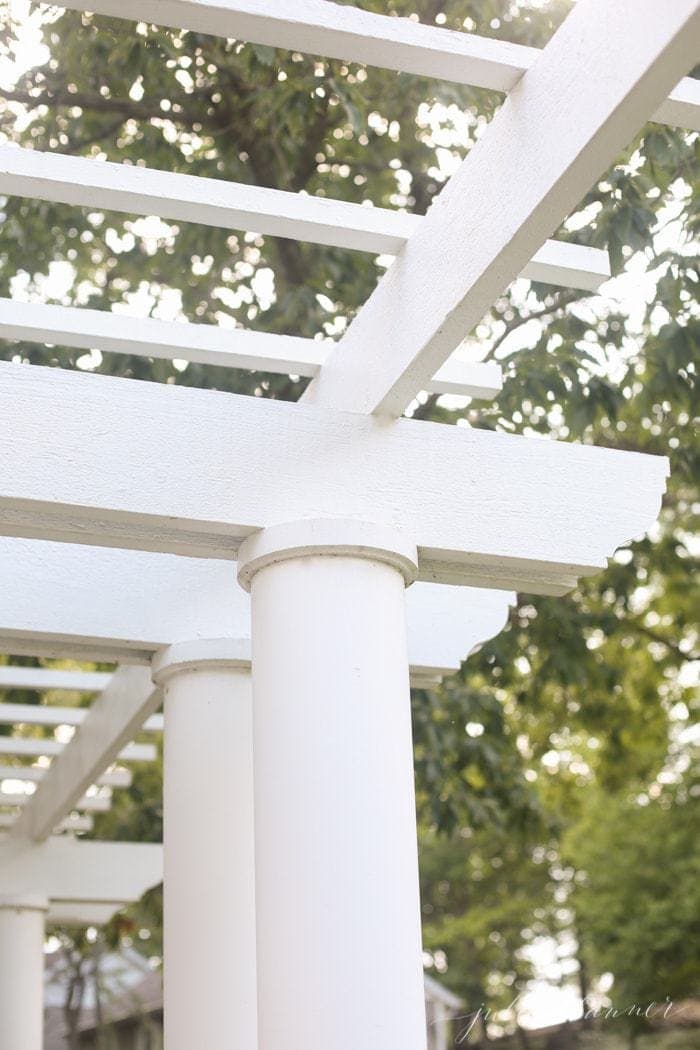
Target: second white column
209, 888
338, 915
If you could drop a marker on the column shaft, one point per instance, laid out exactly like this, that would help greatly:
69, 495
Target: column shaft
209, 887
22, 922
339, 942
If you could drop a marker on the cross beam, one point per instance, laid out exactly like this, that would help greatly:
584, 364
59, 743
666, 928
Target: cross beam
327, 29
68, 870
88, 803
104, 603
601, 76
111, 462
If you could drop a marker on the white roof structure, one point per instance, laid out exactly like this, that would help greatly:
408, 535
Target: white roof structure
123, 504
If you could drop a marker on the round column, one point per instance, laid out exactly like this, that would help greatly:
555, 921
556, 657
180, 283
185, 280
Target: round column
338, 915
209, 880
22, 923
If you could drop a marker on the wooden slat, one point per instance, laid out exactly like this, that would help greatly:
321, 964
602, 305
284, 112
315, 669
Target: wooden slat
207, 344
236, 206
42, 678
327, 29
70, 823
115, 718
88, 803
27, 747
604, 71
116, 778
105, 461
42, 715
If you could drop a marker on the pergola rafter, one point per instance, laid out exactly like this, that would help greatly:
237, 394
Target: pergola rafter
330, 30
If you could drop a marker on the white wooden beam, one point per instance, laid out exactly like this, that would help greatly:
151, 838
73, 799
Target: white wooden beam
33, 747
111, 462
70, 870
327, 29
116, 778
210, 345
78, 913
43, 678
115, 718
64, 597
44, 715
237, 206
72, 823
603, 73
88, 803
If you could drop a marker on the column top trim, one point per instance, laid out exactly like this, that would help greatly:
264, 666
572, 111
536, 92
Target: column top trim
335, 537
24, 902
201, 654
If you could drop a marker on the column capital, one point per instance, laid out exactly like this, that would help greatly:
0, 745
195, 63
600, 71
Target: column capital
24, 902
200, 654
336, 537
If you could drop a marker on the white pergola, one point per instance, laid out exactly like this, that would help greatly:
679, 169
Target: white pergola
290, 866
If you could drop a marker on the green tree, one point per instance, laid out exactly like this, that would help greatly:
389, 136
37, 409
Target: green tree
637, 893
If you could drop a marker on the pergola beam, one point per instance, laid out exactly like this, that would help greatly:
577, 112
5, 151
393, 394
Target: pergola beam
93, 600
605, 70
110, 462
44, 715
115, 718
210, 345
320, 28
64, 869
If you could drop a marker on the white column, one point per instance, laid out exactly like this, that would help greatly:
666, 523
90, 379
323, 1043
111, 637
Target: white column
22, 921
209, 881
338, 920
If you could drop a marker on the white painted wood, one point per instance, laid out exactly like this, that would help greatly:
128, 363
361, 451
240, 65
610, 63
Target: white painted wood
88, 803
104, 461
603, 73
327, 29
682, 107
209, 848
42, 715
77, 913
211, 345
115, 718
32, 747
237, 206
116, 778
72, 823
97, 600
22, 930
66, 869
335, 822
43, 678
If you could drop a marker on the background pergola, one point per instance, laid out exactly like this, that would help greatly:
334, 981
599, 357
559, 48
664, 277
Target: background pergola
157, 472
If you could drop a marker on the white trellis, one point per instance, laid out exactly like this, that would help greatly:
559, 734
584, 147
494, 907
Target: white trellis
291, 881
